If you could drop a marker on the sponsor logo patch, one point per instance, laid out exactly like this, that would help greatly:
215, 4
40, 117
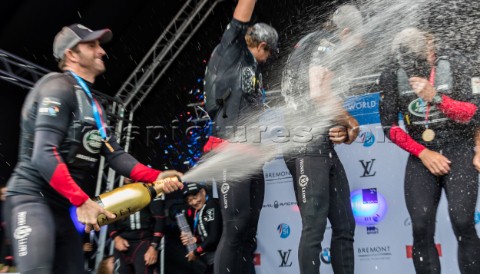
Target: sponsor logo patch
49, 106
92, 141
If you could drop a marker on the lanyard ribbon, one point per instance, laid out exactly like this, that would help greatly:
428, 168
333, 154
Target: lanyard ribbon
195, 221
96, 110
197, 216
432, 82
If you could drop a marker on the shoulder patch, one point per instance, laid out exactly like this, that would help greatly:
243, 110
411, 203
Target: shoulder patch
209, 215
49, 106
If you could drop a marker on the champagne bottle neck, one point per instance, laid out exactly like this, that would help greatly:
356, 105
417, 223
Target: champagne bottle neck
152, 191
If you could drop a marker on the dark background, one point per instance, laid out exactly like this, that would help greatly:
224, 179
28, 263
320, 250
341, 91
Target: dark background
27, 29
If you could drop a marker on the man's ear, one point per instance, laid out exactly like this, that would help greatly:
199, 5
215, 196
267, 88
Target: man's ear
262, 45
345, 32
70, 55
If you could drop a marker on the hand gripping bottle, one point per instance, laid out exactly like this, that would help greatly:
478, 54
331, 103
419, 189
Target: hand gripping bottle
128, 199
185, 228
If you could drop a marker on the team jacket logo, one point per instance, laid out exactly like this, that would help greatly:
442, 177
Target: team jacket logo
210, 215
285, 255
250, 82
92, 141
21, 233
418, 108
225, 188
367, 168
303, 180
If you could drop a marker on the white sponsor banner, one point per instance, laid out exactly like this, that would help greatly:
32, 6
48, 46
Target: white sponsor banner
280, 223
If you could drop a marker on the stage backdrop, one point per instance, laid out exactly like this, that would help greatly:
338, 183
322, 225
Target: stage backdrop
375, 168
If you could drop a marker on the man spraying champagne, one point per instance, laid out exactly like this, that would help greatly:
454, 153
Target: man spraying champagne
64, 133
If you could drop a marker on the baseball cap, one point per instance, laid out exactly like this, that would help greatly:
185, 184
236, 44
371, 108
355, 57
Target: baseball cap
347, 16
71, 35
410, 40
190, 189
265, 33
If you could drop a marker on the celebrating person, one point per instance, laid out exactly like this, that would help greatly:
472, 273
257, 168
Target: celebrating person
63, 134
206, 222
233, 92
433, 92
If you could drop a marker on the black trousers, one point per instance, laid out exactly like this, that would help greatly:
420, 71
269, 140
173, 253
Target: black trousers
44, 239
422, 195
323, 192
132, 261
240, 204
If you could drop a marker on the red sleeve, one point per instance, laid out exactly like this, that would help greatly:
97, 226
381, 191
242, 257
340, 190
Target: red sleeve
212, 143
405, 141
458, 111
142, 173
63, 182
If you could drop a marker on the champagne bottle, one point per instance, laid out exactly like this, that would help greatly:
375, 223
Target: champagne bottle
127, 199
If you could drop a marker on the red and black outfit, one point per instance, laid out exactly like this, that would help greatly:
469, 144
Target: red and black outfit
142, 230
60, 147
453, 116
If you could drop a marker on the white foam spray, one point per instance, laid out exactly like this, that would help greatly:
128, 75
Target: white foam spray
383, 19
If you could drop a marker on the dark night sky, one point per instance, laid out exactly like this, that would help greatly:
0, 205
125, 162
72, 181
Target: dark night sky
27, 28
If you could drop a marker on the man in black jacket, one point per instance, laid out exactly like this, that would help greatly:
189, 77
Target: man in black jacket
233, 93
137, 237
206, 223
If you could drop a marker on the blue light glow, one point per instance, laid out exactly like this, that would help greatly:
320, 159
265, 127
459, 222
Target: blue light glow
369, 207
